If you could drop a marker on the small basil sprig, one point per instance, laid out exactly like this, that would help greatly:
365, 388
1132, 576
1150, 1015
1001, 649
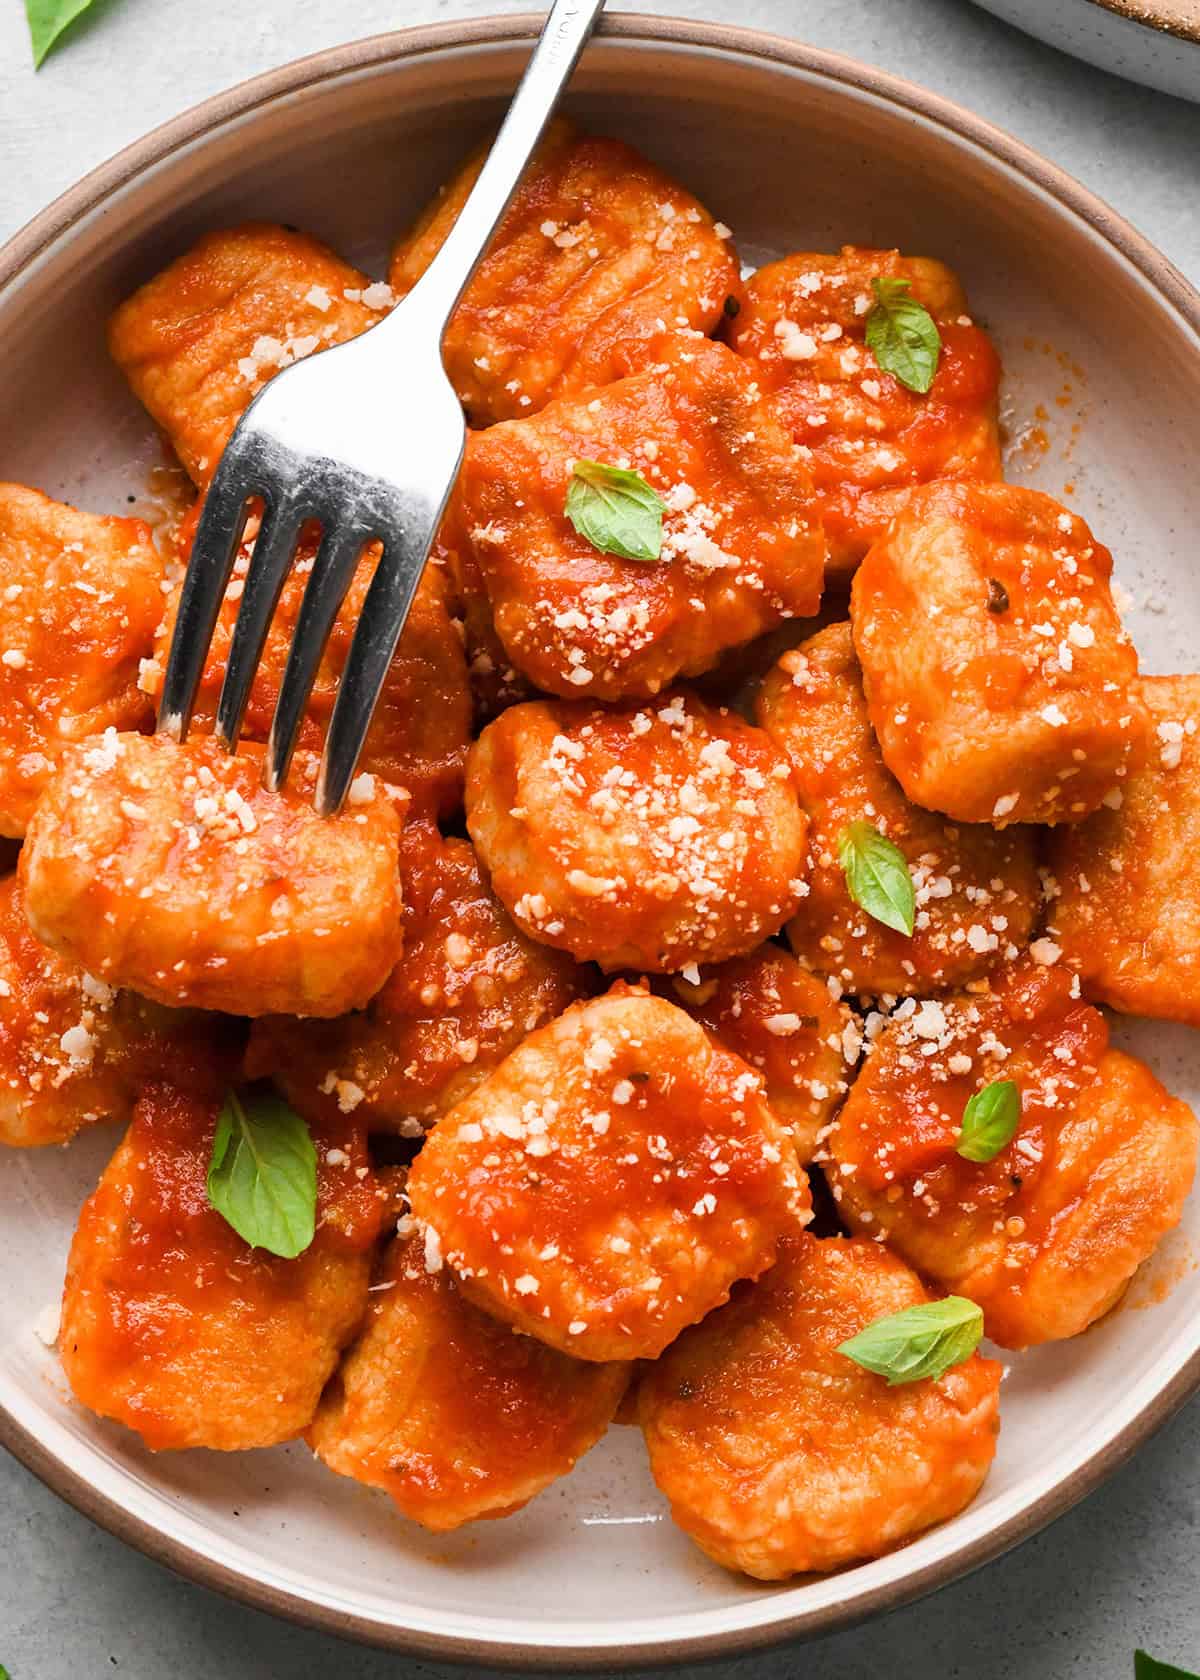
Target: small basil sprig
989, 1121
903, 335
615, 510
1146, 1667
922, 1341
48, 19
877, 876
262, 1178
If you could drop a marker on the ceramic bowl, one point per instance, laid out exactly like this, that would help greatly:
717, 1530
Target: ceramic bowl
795, 149
1152, 41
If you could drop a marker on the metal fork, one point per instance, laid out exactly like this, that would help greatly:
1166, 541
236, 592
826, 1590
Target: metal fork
367, 438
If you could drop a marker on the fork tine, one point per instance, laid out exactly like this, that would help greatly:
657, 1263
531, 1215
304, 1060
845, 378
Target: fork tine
218, 534
332, 573
379, 628
269, 565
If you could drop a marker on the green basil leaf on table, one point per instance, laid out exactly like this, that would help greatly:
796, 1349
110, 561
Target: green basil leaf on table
877, 876
989, 1121
48, 19
1146, 1667
922, 1341
615, 510
262, 1178
903, 335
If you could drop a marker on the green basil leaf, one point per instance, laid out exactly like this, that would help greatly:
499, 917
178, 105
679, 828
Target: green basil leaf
1146, 1667
903, 335
47, 20
877, 876
615, 510
922, 1341
989, 1121
4, 1674
262, 1177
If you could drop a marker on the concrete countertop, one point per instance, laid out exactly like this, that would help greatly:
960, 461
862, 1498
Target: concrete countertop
1119, 1571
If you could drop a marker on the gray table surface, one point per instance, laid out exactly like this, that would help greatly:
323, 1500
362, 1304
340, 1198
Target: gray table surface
1121, 1570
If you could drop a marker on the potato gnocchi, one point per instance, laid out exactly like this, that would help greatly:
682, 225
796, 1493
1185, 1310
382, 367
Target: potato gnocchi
690, 1018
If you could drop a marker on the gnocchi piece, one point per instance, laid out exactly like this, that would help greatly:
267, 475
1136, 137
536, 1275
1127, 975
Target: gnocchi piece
643, 838
467, 989
494, 680
597, 250
1126, 910
421, 728
742, 546
976, 889
610, 1181
864, 436
171, 870
80, 596
780, 1455
72, 1050
202, 338
782, 1021
456, 1418
998, 678
1047, 1233
175, 1327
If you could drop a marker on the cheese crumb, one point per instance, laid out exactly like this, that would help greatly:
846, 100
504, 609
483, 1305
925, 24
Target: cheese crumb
795, 345
47, 1324
79, 1044
1170, 733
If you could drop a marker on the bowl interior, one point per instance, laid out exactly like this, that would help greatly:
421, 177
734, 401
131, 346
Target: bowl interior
792, 159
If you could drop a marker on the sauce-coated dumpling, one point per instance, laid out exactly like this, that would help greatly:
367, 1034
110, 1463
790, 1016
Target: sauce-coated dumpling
645, 838
494, 679
421, 726
204, 336
80, 596
864, 436
782, 1021
1126, 909
177, 1328
456, 1418
998, 678
467, 989
596, 253
1045, 1235
72, 1050
742, 546
976, 889
171, 870
611, 1179
779, 1454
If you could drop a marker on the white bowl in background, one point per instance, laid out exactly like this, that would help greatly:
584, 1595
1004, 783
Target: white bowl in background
1152, 41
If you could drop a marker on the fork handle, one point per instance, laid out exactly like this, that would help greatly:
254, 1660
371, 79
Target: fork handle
564, 35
